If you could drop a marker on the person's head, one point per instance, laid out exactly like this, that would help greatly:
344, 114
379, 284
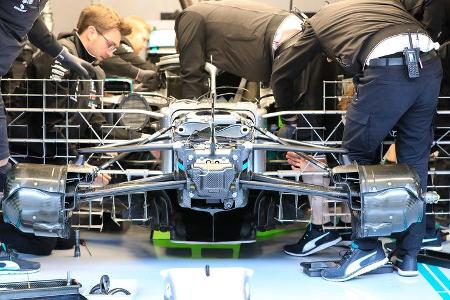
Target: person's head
100, 29
140, 32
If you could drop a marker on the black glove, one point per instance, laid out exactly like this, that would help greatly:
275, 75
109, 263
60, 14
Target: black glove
149, 79
153, 84
81, 67
145, 76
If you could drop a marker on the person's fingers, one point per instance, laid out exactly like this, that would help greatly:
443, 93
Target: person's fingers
290, 154
156, 154
299, 161
105, 179
295, 163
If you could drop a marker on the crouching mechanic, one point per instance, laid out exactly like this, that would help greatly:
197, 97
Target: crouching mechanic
97, 36
397, 75
19, 20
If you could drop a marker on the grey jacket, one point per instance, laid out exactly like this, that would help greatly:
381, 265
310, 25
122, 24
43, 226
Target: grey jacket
235, 35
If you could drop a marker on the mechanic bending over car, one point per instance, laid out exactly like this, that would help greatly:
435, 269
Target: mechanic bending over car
429, 13
225, 34
434, 16
127, 60
373, 39
20, 20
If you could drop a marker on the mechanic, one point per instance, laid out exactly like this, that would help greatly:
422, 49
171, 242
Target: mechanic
97, 36
373, 39
127, 61
428, 12
18, 22
226, 34
91, 46
315, 238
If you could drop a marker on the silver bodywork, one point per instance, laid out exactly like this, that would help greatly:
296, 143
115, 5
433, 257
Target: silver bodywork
390, 199
35, 201
212, 174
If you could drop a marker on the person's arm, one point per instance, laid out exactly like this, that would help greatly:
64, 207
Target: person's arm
126, 64
288, 66
128, 55
191, 35
117, 66
429, 13
433, 17
42, 38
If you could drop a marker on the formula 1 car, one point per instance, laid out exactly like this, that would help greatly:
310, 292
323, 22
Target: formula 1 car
212, 187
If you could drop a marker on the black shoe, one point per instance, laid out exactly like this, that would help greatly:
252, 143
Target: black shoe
433, 241
356, 262
406, 265
429, 242
11, 264
312, 241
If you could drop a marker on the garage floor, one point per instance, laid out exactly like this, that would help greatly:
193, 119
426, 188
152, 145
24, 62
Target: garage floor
132, 262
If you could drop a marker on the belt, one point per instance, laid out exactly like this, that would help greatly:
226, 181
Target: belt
286, 44
399, 61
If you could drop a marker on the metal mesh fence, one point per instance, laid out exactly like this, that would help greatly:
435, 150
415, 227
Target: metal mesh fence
46, 125
48, 120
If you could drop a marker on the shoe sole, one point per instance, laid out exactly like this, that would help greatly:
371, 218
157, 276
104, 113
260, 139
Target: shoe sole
401, 272
12, 272
361, 271
434, 248
314, 250
406, 273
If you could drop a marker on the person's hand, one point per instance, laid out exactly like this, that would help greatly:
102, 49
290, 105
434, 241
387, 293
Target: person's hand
145, 76
153, 84
76, 64
298, 163
102, 179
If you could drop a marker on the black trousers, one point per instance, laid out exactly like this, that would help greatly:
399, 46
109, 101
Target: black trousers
29, 243
385, 98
